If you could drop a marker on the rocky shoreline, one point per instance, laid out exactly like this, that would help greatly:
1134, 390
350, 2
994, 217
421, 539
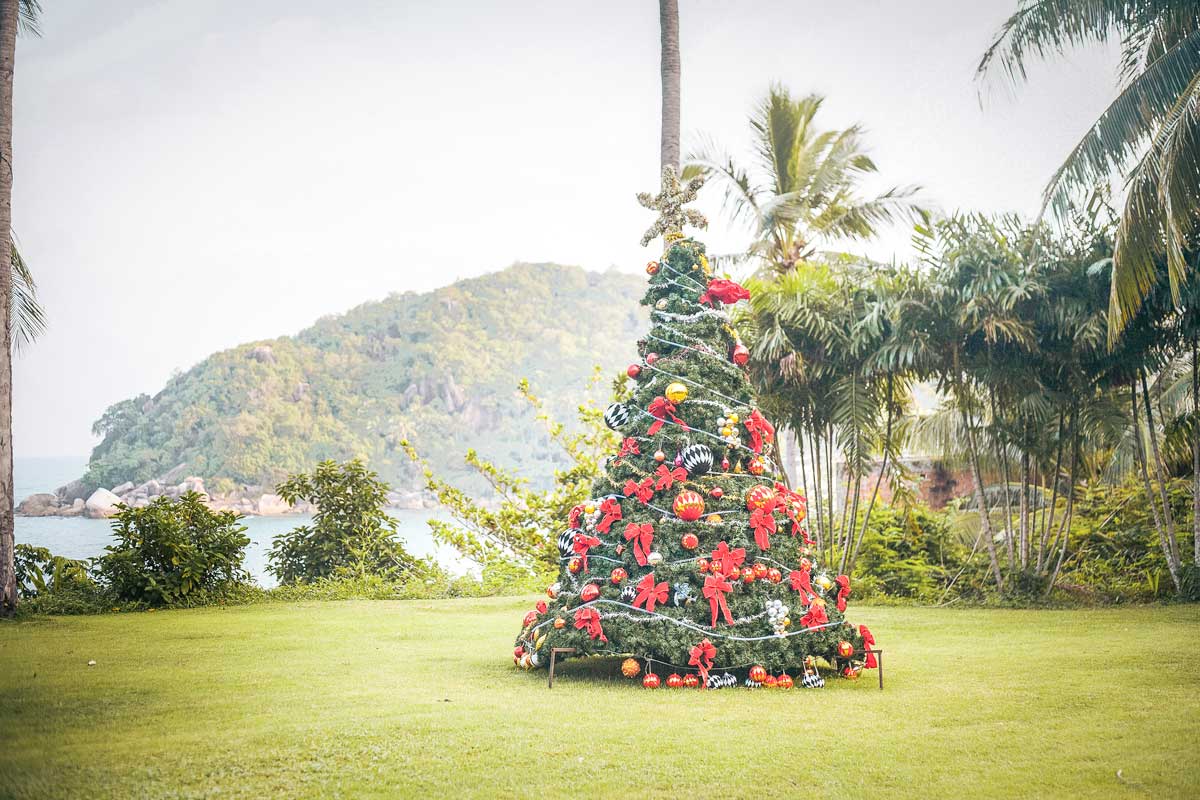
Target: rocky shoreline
74, 500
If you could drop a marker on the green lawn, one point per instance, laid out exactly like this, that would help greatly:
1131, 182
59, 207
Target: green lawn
385, 699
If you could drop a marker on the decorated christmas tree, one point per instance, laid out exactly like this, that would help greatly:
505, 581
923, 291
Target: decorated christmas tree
692, 557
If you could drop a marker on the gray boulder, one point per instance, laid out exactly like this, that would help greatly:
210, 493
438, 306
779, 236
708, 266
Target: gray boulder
101, 504
123, 489
38, 505
75, 490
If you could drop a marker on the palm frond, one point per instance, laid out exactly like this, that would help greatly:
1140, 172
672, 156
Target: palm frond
28, 317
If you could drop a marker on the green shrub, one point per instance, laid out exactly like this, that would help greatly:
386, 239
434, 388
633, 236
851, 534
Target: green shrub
173, 553
351, 534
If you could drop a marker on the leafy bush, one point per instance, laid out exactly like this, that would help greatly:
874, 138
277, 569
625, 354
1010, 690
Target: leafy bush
173, 553
911, 554
351, 535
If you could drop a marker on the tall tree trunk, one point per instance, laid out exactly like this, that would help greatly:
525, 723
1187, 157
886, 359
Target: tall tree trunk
887, 447
1140, 456
1160, 472
816, 502
985, 521
783, 473
1044, 539
668, 19
1196, 452
1065, 528
1023, 510
9, 15
1002, 460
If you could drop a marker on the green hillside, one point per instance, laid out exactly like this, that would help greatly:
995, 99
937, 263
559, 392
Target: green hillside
439, 368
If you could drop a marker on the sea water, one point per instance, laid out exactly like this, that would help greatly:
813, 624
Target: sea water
76, 537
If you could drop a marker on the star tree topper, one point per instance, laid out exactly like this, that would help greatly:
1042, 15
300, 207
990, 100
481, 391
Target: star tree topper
672, 216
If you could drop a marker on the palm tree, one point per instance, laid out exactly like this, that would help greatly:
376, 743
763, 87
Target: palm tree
801, 188
668, 20
28, 316
1150, 133
13, 15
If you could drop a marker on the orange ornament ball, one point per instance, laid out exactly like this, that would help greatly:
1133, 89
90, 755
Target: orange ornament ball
560, 623
748, 574
845, 649
784, 682
689, 541
574, 565
589, 593
650, 681
674, 681
758, 496
690, 681
774, 575
756, 467
758, 674
688, 505
769, 681
652, 268
618, 575
760, 571
630, 668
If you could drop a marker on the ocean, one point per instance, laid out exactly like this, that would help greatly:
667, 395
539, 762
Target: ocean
76, 537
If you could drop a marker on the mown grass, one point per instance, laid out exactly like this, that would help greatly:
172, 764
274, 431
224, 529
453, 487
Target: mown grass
419, 698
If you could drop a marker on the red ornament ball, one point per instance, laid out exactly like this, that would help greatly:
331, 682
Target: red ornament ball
689, 541
756, 466
725, 464
758, 674
774, 575
851, 673
769, 681
716, 493
741, 354
618, 575
652, 268
784, 682
518, 651
650, 359
633, 371
589, 593
541, 606
690, 681
688, 505
758, 496
748, 574
530, 618
650, 681
702, 565
760, 571
574, 565
845, 649
674, 681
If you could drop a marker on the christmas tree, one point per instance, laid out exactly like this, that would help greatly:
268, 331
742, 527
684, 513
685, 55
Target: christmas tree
692, 557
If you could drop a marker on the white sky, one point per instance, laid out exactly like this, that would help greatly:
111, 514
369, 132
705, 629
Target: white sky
192, 175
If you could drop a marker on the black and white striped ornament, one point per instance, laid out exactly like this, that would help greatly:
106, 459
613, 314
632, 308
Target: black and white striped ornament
565, 540
812, 680
697, 459
721, 681
628, 593
616, 416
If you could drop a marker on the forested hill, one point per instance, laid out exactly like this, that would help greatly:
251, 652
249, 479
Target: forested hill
440, 368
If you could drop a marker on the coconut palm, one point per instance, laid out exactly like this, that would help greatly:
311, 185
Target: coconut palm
801, 189
668, 20
1150, 134
28, 316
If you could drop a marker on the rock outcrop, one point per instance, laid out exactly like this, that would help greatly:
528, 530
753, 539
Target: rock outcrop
101, 504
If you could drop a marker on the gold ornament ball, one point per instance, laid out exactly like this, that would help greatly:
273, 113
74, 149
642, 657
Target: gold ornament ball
727, 431
733, 419
824, 582
589, 508
652, 268
661, 304
676, 392
630, 668
659, 455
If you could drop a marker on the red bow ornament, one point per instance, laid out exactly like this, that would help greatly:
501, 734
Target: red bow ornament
868, 643
610, 511
795, 506
629, 447
843, 583
667, 476
725, 560
701, 657
588, 619
573, 517
762, 521
724, 291
758, 428
661, 408
815, 617
715, 589
643, 491
642, 537
650, 593
801, 580
580, 544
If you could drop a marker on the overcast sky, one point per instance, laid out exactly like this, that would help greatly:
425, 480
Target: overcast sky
193, 175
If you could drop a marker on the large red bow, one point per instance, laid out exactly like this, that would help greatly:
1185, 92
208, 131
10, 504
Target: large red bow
587, 618
629, 447
802, 582
701, 657
725, 291
758, 427
815, 617
762, 520
667, 476
610, 510
868, 643
580, 544
574, 515
642, 537
644, 490
661, 408
715, 589
649, 593
843, 583
727, 561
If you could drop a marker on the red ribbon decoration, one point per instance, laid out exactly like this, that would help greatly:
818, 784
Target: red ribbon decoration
649, 593
642, 537
580, 544
758, 427
802, 582
791, 502
701, 657
762, 520
588, 619
573, 517
727, 561
611, 511
725, 291
629, 447
868, 643
715, 589
843, 583
661, 408
815, 617
644, 490
667, 476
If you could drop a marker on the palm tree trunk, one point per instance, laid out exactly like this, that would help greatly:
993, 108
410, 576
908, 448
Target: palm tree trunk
985, 522
1196, 452
1160, 472
887, 447
814, 446
9, 15
1023, 509
783, 473
1140, 457
1002, 460
1044, 539
668, 20
1065, 529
